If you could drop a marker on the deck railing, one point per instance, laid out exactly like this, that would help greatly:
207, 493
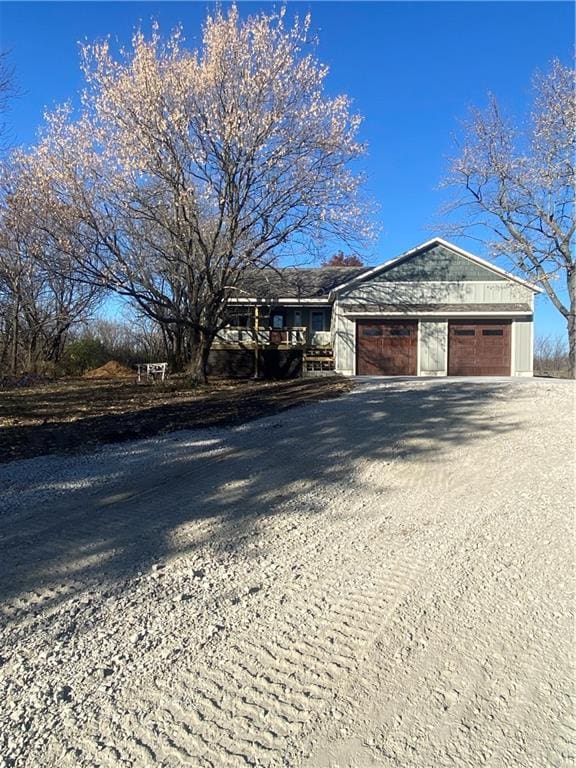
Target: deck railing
293, 337
321, 339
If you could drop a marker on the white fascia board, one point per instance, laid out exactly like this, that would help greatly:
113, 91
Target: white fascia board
321, 301
304, 301
435, 241
242, 301
520, 313
446, 282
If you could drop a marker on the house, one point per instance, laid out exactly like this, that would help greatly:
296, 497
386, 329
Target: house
436, 310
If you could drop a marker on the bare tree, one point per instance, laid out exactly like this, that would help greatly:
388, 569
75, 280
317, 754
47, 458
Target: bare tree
519, 187
8, 91
188, 167
550, 354
40, 286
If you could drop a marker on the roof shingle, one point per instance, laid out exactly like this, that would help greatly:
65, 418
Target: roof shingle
292, 283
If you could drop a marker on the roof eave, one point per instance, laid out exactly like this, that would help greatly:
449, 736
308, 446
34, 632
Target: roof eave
280, 300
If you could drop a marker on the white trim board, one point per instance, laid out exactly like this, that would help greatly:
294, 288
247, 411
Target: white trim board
478, 314
276, 301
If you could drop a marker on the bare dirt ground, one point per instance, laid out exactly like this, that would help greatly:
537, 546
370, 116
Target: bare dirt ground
381, 580
74, 415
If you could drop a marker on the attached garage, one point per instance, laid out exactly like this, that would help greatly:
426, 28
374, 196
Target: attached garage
386, 347
479, 348
435, 310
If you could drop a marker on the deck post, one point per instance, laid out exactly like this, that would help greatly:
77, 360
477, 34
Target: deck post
256, 341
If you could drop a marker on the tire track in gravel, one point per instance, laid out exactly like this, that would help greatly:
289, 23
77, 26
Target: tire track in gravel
504, 676
248, 706
345, 540
416, 646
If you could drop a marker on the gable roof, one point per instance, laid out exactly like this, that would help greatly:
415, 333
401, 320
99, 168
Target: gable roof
272, 283
323, 283
436, 241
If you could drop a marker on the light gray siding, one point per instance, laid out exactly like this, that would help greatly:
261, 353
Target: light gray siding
344, 342
432, 343
433, 347
522, 351
501, 292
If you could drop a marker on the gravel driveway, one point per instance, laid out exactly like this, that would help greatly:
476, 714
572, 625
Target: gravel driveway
382, 580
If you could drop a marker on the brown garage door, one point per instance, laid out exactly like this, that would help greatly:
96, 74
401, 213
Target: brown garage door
479, 348
386, 347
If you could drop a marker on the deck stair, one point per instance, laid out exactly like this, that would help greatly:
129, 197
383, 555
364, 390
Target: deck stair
318, 360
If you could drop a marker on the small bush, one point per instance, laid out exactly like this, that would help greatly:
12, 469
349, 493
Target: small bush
83, 354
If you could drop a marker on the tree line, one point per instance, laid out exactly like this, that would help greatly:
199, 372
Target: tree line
181, 170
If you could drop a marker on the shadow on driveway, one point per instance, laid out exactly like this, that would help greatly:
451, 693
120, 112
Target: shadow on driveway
237, 477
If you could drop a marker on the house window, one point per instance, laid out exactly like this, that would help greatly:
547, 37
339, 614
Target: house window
399, 332
277, 322
297, 318
238, 319
493, 332
372, 330
318, 321
470, 332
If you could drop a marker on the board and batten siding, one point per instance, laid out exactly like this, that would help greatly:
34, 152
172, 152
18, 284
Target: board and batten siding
386, 292
522, 347
433, 343
343, 341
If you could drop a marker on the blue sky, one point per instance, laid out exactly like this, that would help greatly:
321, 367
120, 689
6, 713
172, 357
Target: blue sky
412, 69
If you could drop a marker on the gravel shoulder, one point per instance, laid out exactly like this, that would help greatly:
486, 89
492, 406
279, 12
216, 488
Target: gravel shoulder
386, 579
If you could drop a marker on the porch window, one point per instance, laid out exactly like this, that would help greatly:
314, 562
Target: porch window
318, 321
238, 319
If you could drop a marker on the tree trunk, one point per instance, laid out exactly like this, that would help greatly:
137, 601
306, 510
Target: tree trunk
571, 322
174, 346
177, 348
200, 349
55, 346
15, 341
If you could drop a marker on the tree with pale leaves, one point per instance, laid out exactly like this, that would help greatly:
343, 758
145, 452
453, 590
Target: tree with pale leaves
188, 167
519, 186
